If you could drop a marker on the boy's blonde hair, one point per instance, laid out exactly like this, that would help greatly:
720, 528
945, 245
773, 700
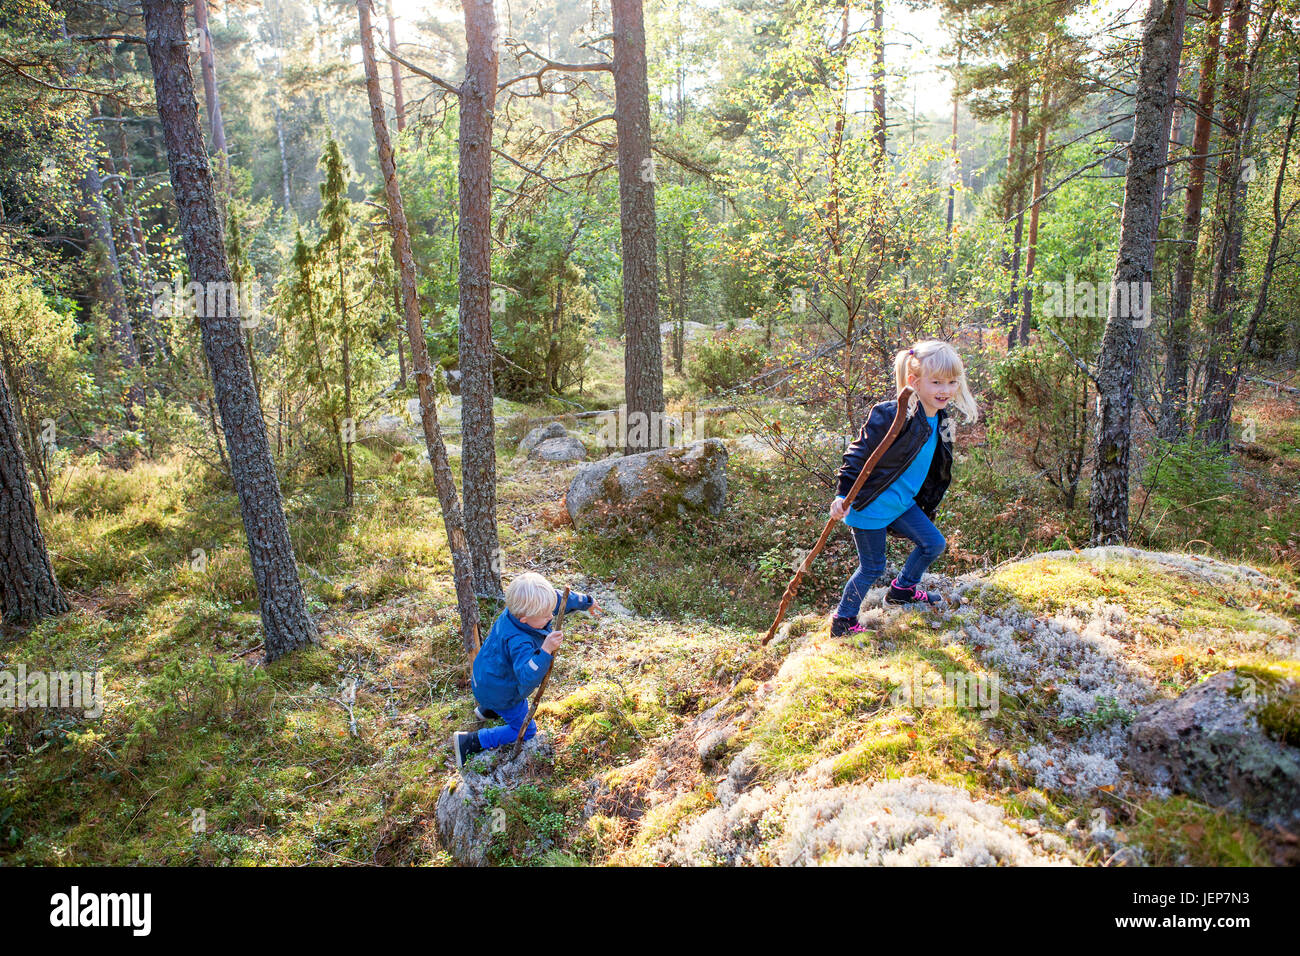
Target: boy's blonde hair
934, 357
529, 595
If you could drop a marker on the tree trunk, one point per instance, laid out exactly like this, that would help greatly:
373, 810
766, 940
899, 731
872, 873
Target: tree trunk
1018, 203
643, 357
478, 430
208, 66
399, 103
1162, 43
284, 158
878, 76
285, 621
1211, 420
1040, 161
444, 484
111, 290
28, 589
1173, 402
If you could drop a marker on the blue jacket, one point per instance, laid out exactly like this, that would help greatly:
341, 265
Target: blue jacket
511, 662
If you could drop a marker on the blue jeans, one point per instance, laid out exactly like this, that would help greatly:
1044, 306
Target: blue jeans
912, 524
514, 718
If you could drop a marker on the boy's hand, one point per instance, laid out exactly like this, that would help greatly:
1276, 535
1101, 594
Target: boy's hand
595, 609
838, 509
552, 642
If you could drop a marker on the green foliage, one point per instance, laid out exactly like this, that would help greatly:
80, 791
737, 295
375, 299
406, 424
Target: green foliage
1104, 714
724, 362
185, 697
1043, 417
1187, 475
541, 331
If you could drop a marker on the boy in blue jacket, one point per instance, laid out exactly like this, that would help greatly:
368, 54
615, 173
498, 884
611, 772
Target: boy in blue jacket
513, 660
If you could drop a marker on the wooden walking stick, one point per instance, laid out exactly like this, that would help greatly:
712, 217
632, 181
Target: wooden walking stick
900, 416
541, 688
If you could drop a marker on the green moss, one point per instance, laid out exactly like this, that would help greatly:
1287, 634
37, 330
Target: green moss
1180, 832
1276, 687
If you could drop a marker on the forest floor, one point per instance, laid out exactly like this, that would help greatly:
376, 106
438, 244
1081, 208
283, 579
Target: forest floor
676, 737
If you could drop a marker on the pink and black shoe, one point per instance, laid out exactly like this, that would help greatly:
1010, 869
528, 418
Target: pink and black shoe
912, 595
845, 625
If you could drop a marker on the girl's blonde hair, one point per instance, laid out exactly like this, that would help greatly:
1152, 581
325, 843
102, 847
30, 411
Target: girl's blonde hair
529, 595
934, 357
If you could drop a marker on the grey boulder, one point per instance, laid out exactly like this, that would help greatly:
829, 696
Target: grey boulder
653, 486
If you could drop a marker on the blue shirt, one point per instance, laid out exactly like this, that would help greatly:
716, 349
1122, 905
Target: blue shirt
511, 662
900, 495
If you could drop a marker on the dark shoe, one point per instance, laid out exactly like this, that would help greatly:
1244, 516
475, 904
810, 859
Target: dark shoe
845, 625
486, 715
464, 744
912, 595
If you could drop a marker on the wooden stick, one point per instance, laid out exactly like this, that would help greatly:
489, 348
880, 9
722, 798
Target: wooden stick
537, 698
900, 416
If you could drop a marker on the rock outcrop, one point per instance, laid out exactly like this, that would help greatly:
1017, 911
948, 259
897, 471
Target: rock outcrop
651, 487
465, 812
1208, 743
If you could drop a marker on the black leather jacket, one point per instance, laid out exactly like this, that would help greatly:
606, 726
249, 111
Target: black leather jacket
910, 441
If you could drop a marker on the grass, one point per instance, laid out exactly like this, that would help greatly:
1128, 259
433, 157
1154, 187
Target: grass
205, 757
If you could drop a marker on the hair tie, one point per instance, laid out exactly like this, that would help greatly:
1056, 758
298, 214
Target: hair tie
911, 351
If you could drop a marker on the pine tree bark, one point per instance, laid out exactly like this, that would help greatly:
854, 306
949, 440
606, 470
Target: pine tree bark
1162, 43
208, 67
643, 356
1173, 402
1213, 415
478, 429
444, 484
1040, 162
28, 588
285, 622
399, 101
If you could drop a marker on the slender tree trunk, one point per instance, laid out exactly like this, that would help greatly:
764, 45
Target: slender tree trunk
284, 158
1211, 421
111, 290
878, 76
952, 146
1013, 298
478, 430
401, 346
399, 103
285, 621
1173, 403
643, 358
208, 66
1009, 202
1162, 43
444, 484
28, 589
1270, 262
1040, 161
349, 423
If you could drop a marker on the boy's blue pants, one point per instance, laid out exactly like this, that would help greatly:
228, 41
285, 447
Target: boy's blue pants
514, 718
913, 524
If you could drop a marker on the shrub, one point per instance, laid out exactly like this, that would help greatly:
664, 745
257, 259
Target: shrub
724, 362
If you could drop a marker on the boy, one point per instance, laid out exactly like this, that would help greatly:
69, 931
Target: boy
513, 660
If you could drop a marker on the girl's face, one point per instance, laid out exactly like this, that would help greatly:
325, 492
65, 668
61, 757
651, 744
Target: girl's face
934, 389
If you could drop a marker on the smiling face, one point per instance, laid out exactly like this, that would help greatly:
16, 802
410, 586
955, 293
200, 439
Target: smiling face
934, 389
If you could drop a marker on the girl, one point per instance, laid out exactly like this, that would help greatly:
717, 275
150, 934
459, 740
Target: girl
907, 484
